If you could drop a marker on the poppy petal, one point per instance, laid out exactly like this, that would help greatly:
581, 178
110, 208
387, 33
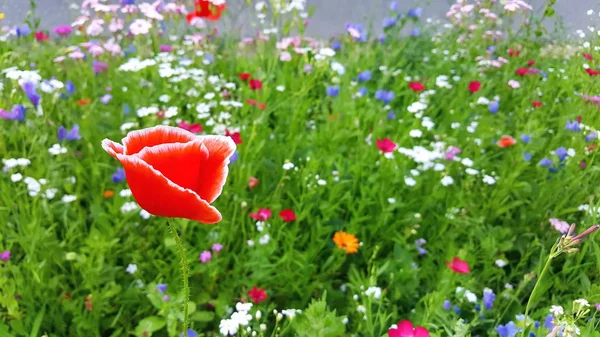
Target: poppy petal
112, 148
159, 196
213, 171
421, 332
161, 134
179, 162
406, 329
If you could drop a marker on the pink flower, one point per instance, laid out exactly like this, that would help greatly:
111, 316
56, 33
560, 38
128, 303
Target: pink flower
406, 329
285, 56
514, 84
386, 145
459, 266
452, 152
205, 256
115, 25
5, 256
63, 31
194, 128
76, 55
561, 226
263, 214
95, 28
216, 247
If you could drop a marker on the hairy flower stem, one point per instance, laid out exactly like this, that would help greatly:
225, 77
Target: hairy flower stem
185, 273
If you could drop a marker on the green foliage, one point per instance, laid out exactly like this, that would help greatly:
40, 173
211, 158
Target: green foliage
318, 321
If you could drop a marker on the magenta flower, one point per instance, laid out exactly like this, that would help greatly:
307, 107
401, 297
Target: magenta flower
99, 66
166, 48
452, 152
217, 247
205, 256
5, 256
63, 31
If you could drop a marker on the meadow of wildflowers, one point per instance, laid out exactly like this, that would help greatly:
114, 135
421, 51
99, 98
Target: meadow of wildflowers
438, 179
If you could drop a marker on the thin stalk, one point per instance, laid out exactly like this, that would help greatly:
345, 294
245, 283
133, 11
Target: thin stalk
185, 273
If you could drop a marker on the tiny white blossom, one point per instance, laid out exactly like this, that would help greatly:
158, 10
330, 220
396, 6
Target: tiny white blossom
557, 310
16, 177
447, 180
68, 198
264, 239
57, 149
132, 268
500, 263
288, 166
410, 181
228, 327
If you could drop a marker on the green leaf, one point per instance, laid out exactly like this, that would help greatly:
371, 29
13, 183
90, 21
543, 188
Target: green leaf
149, 325
35, 330
202, 316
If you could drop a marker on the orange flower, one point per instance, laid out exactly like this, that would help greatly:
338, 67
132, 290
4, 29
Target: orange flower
108, 194
174, 173
347, 242
506, 141
205, 9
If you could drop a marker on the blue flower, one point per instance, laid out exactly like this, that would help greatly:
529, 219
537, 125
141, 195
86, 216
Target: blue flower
456, 310
415, 12
447, 305
382, 38
548, 322
119, 176
336, 45
162, 287
72, 134
384, 96
22, 30
546, 162
491, 49
362, 91
127, 2
190, 333
527, 156
208, 58
126, 109
364, 76
494, 106
362, 34
591, 136
233, 158
561, 152
508, 330
525, 138
572, 126
415, 32
394, 6
391, 115
70, 87
16, 114
30, 90
389, 22
332, 90
488, 298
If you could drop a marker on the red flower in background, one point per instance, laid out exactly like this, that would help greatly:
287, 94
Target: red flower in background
237, 138
255, 84
257, 295
406, 329
522, 71
537, 104
588, 57
244, 76
514, 53
84, 101
416, 86
206, 10
174, 173
252, 182
287, 215
459, 266
592, 72
263, 214
257, 104
41, 36
474, 86
506, 141
530, 63
194, 128
386, 145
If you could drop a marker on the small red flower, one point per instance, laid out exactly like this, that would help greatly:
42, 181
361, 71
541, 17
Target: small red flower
41, 36
255, 84
261, 105
530, 63
174, 173
206, 10
386, 145
406, 329
257, 295
237, 138
258, 104
194, 128
459, 266
588, 56
287, 215
474, 86
263, 214
514, 53
592, 72
579, 119
537, 104
416, 86
84, 101
244, 76
522, 71
251, 101
252, 182
506, 141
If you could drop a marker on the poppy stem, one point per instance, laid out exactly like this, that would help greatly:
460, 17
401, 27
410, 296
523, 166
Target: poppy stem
185, 271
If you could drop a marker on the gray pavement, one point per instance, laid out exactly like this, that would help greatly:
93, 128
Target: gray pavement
329, 18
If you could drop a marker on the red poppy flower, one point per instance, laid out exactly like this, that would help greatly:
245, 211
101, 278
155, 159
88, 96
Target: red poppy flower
588, 56
257, 295
537, 104
459, 266
530, 63
244, 76
194, 128
386, 145
522, 71
252, 182
41, 36
287, 215
251, 101
514, 53
261, 105
237, 138
506, 141
174, 173
263, 214
206, 10
592, 72
255, 84
406, 329
84, 101
416, 86
474, 86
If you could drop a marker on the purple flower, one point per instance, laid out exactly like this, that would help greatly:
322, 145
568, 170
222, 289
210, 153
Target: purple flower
216, 247
572, 126
162, 287
488, 298
336, 45
166, 298
72, 134
5, 256
389, 22
333, 90
447, 305
525, 138
70, 87
591, 136
119, 176
415, 32
415, 12
233, 158
99, 66
421, 250
106, 98
364, 76
205, 256
420, 242
494, 106
562, 153
598, 306
22, 30
63, 31
307, 68
546, 162
394, 6
384, 96
16, 114
30, 90
166, 48
382, 38
128, 2
508, 330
